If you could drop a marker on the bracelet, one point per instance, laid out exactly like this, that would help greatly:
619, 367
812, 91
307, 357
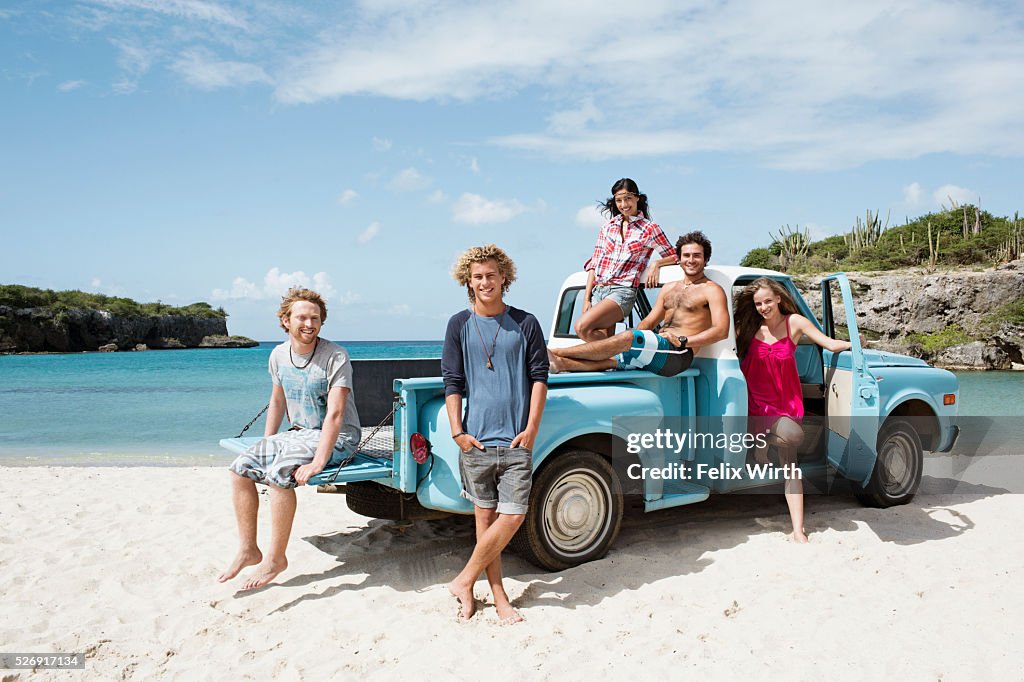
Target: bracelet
459, 434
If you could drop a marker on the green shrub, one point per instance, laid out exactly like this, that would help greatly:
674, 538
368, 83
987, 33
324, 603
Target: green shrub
18, 296
758, 258
933, 342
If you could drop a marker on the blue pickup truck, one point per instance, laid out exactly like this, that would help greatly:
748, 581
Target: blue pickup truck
871, 417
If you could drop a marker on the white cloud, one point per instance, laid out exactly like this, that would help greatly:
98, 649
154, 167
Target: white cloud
400, 309
134, 60
574, 120
590, 217
474, 166
99, 286
201, 68
865, 81
68, 86
734, 76
196, 10
275, 283
240, 288
959, 195
476, 210
381, 144
437, 197
819, 232
409, 179
369, 233
912, 194
347, 197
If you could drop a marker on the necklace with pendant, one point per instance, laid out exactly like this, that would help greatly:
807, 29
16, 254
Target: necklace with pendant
308, 360
494, 342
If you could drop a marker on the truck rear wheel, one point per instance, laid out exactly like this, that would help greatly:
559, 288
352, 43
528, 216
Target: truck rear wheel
897, 472
574, 514
380, 502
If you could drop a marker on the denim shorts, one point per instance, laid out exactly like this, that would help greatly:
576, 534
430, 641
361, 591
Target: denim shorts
623, 296
497, 478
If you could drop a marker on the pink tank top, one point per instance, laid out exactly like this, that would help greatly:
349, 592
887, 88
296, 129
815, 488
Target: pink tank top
773, 383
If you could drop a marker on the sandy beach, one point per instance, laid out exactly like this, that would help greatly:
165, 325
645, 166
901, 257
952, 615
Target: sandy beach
121, 564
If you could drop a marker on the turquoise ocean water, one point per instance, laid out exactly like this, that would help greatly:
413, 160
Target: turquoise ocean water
171, 407
157, 407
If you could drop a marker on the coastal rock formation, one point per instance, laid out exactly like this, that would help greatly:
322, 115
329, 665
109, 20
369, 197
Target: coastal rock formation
42, 330
227, 342
893, 307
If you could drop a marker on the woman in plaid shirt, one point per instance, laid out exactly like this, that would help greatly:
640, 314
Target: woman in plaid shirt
616, 269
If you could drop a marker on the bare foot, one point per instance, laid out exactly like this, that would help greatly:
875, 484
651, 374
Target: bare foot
798, 537
242, 559
507, 615
467, 602
264, 573
555, 363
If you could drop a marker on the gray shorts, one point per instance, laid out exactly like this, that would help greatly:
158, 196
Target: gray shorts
497, 478
623, 296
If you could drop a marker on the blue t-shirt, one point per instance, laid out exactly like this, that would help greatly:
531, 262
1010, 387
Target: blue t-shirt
497, 399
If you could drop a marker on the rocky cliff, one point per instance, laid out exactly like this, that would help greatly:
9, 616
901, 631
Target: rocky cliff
896, 310
42, 330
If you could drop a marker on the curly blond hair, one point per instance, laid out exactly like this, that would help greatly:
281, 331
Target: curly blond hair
296, 294
479, 254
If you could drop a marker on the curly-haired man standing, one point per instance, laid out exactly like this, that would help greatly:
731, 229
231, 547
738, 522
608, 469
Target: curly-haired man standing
494, 356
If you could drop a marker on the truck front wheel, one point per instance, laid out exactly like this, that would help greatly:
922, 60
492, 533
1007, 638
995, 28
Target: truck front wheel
574, 514
898, 466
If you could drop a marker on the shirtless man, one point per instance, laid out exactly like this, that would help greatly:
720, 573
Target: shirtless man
692, 312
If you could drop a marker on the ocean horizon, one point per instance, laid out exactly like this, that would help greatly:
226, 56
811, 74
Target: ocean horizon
171, 407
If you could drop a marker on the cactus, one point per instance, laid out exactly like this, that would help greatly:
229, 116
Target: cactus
794, 245
933, 250
1013, 247
867, 233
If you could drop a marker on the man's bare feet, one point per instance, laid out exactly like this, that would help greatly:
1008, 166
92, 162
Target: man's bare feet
242, 559
264, 573
555, 363
507, 615
467, 602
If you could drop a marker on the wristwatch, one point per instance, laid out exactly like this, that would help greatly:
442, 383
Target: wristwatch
682, 341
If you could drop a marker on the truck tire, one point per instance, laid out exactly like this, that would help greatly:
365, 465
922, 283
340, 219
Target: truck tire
380, 502
897, 472
574, 513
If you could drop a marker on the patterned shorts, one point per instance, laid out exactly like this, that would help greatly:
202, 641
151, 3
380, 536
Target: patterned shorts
275, 459
654, 353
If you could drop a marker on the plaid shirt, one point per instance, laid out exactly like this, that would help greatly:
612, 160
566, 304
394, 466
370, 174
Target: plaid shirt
622, 261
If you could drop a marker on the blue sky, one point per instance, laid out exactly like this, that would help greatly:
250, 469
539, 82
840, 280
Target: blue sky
187, 150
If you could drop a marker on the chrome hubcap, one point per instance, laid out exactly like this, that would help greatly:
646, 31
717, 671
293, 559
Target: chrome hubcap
577, 512
897, 464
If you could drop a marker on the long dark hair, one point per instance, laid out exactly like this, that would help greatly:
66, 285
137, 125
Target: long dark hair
748, 320
609, 207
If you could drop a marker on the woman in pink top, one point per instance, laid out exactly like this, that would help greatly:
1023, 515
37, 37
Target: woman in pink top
767, 330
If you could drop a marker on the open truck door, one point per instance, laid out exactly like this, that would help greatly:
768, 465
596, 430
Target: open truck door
851, 392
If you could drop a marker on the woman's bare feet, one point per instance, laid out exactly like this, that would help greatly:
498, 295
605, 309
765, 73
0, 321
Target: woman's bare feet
467, 602
264, 573
242, 559
799, 537
555, 363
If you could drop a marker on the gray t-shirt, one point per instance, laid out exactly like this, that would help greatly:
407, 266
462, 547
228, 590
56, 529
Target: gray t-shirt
305, 390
